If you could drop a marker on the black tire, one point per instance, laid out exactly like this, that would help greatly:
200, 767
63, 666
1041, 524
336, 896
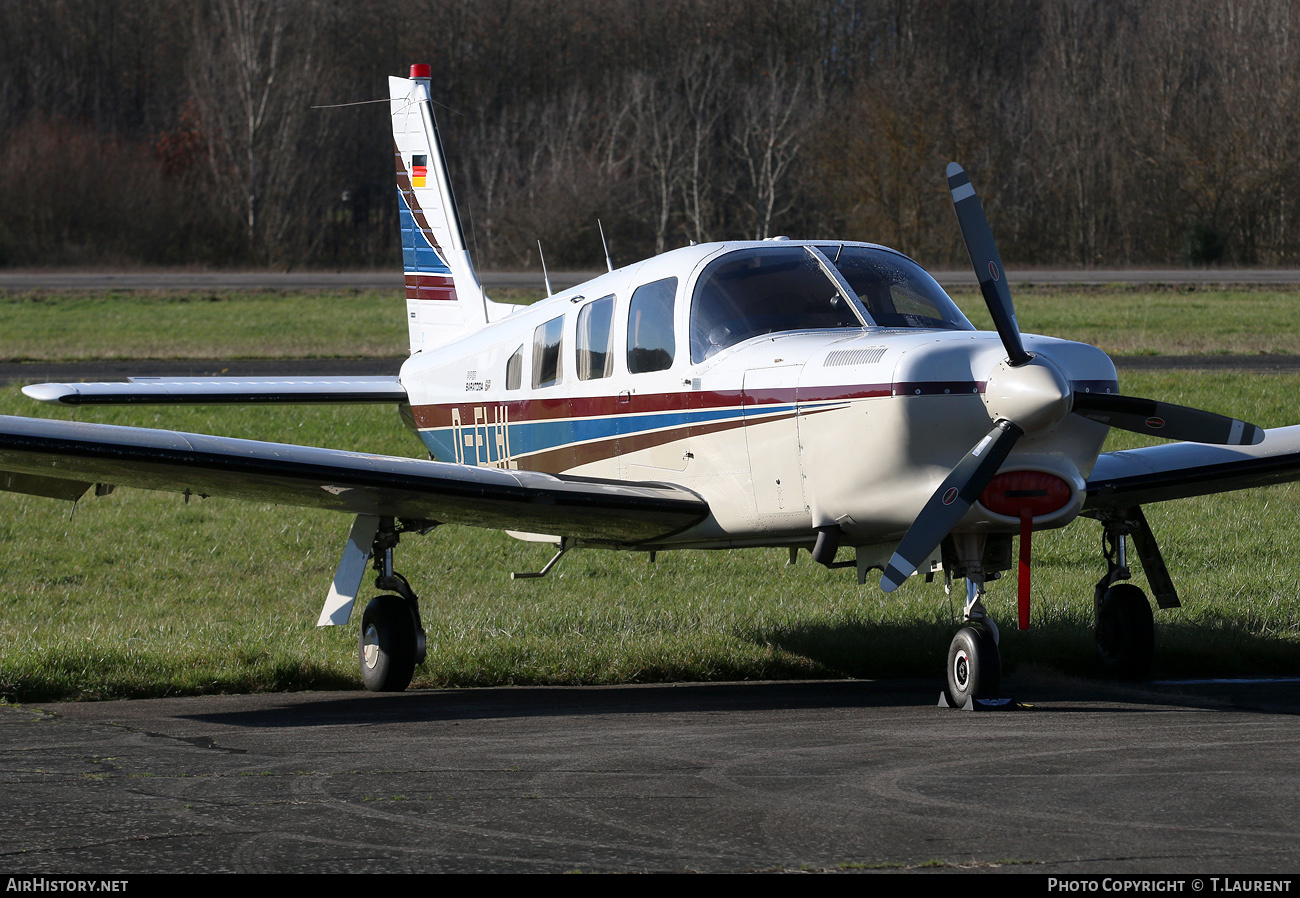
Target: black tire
1126, 632
974, 665
386, 645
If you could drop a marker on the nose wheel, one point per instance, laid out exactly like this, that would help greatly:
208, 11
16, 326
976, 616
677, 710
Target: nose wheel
974, 666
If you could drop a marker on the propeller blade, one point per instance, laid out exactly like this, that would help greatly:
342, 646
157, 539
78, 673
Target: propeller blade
983, 250
1164, 419
950, 501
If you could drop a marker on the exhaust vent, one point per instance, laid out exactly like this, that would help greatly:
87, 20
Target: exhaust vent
868, 356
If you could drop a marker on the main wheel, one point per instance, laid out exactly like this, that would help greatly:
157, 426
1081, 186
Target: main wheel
1126, 632
386, 646
974, 665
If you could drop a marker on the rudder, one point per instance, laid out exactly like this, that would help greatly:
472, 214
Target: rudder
444, 299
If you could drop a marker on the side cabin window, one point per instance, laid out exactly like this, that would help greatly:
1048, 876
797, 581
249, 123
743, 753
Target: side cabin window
650, 342
595, 339
547, 360
762, 291
515, 370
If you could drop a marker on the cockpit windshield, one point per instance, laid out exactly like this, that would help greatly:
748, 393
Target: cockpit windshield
896, 291
767, 290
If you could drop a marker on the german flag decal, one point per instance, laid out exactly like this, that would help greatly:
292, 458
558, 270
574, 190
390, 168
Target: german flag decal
419, 170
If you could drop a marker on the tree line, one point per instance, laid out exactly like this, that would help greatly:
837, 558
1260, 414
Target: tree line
236, 132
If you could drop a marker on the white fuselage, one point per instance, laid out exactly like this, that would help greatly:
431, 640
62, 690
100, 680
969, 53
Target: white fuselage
781, 433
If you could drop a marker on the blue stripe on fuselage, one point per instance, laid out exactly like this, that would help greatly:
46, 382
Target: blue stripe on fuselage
531, 437
417, 253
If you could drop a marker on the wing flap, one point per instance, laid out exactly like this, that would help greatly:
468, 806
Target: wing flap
222, 391
614, 512
1181, 470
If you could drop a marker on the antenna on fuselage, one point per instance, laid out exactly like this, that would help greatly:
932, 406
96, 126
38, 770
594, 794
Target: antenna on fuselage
546, 277
609, 266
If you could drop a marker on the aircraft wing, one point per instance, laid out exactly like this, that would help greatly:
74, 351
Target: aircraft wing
222, 391
62, 459
1180, 470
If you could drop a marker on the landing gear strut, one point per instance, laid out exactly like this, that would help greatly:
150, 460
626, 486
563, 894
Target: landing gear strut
392, 641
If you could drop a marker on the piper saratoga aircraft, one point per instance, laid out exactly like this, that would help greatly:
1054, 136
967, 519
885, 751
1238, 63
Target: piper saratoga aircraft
824, 395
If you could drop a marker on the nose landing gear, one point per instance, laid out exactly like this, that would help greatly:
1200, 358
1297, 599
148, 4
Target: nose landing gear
974, 661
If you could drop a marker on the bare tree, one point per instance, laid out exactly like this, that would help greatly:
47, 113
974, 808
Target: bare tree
255, 67
706, 75
767, 135
660, 138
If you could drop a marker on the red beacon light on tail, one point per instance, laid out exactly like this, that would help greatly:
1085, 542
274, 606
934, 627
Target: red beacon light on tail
421, 70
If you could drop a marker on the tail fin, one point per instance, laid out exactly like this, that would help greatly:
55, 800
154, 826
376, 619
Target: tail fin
444, 299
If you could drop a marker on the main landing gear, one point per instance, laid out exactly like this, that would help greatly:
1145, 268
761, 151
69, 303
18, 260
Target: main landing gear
1125, 630
392, 641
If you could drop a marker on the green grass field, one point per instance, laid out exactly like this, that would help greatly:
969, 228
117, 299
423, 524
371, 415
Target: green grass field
371, 324
1126, 320
140, 593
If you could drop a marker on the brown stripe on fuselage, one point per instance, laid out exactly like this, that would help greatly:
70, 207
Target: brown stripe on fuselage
566, 458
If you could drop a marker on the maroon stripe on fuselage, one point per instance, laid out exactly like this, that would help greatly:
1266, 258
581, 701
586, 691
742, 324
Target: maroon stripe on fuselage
430, 286
938, 387
546, 408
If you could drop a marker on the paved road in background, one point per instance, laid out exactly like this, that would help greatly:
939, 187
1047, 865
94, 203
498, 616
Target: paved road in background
703, 777
56, 280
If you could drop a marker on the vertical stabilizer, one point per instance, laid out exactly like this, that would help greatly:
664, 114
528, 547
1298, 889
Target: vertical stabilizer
444, 300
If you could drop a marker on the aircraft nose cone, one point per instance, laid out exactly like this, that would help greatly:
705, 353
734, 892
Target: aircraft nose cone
1033, 396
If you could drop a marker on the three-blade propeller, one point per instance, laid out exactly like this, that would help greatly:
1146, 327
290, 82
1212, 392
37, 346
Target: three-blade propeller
1029, 394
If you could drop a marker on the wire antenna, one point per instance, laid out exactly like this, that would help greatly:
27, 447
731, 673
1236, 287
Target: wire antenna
609, 266
546, 277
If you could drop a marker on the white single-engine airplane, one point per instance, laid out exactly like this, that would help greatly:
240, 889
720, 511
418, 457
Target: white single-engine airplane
820, 394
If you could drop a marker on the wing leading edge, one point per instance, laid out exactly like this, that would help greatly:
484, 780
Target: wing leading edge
1180, 470
222, 391
63, 458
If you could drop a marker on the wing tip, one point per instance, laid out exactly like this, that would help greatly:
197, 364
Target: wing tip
55, 394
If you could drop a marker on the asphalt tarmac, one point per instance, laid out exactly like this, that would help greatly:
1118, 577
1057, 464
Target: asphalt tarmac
1085, 778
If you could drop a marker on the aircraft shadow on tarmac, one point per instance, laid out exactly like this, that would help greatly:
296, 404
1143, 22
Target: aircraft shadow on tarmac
1052, 695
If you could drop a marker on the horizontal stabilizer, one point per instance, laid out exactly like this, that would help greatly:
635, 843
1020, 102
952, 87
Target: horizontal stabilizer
223, 391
